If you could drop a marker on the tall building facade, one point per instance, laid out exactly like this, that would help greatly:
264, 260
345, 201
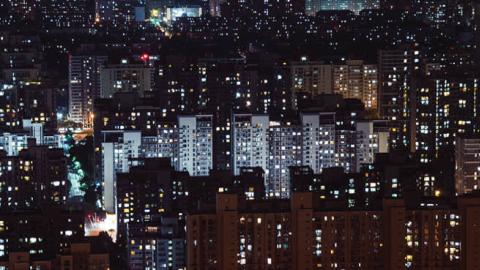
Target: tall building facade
312, 7
467, 165
443, 107
353, 79
195, 144
368, 143
163, 145
156, 246
37, 176
119, 151
312, 77
119, 14
318, 141
84, 86
126, 77
357, 80
82, 255
396, 68
302, 236
74, 14
144, 203
28, 231
14, 143
285, 151
256, 142
250, 141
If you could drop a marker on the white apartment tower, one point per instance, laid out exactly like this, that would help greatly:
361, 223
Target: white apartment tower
250, 141
318, 140
118, 155
195, 150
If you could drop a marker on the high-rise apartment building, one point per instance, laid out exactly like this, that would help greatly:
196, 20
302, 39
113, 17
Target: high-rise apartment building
84, 255
303, 235
369, 141
66, 14
38, 105
318, 140
13, 143
119, 14
312, 7
256, 142
145, 202
250, 141
395, 68
285, 150
195, 144
8, 109
119, 151
126, 77
162, 145
345, 156
158, 245
356, 80
311, 77
467, 165
25, 9
394, 65
84, 87
26, 103
28, 231
396, 4
438, 13
353, 79
37, 176
443, 107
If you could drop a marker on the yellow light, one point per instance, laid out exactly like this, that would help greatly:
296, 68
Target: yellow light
437, 193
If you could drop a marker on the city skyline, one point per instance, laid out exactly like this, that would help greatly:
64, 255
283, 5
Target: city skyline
239, 134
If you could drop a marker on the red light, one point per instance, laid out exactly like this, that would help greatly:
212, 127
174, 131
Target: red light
144, 57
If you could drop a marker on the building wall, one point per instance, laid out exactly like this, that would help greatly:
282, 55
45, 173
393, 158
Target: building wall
285, 150
250, 145
467, 165
117, 158
126, 78
353, 79
195, 144
84, 86
305, 238
318, 146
